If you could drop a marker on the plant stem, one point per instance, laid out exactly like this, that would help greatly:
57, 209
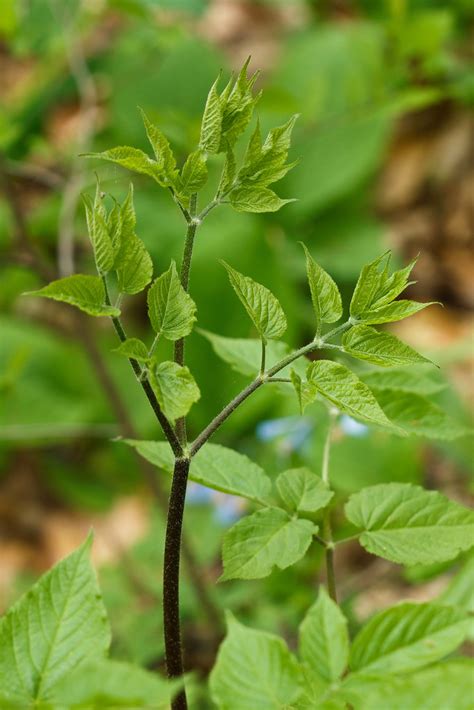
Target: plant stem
262, 363
327, 531
174, 656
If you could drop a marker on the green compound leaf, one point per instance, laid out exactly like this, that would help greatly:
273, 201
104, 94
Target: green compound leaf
325, 294
406, 637
408, 525
237, 106
382, 349
418, 379
193, 175
60, 623
112, 684
171, 310
302, 490
267, 538
85, 292
262, 306
347, 392
265, 164
214, 466
175, 389
134, 349
256, 199
419, 416
211, 125
445, 685
131, 158
165, 159
254, 669
244, 354
324, 639
102, 243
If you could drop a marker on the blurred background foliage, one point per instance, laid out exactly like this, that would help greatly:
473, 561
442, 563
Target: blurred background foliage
384, 90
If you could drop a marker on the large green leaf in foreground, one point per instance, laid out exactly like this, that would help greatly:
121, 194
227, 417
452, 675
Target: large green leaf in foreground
53, 628
408, 525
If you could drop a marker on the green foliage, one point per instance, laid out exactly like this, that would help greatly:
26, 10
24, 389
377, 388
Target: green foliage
134, 348
324, 639
254, 669
366, 343
261, 305
260, 541
175, 388
84, 292
408, 525
325, 295
214, 466
407, 637
302, 491
171, 310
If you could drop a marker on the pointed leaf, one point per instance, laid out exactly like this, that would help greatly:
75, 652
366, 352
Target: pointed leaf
175, 389
306, 391
211, 122
324, 639
85, 292
244, 354
398, 310
262, 306
408, 525
193, 174
256, 199
134, 266
132, 159
325, 294
302, 490
254, 669
382, 349
171, 310
418, 379
347, 392
57, 625
162, 150
258, 542
419, 416
133, 348
99, 236
406, 637
214, 466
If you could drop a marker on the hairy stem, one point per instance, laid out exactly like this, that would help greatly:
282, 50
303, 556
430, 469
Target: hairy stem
327, 530
173, 647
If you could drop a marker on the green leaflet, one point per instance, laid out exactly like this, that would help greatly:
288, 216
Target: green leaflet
164, 155
256, 199
383, 349
244, 354
408, 525
193, 174
302, 490
267, 538
211, 125
376, 289
171, 310
306, 391
214, 466
133, 159
85, 292
418, 379
419, 416
134, 266
57, 625
262, 306
134, 349
237, 105
113, 684
406, 637
347, 392
228, 172
325, 294
175, 389
254, 669
445, 685
324, 639
101, 240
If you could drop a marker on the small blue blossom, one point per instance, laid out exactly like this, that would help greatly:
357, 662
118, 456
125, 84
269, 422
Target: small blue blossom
351, 427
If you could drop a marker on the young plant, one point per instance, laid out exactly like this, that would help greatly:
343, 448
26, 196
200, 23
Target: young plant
401, 523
